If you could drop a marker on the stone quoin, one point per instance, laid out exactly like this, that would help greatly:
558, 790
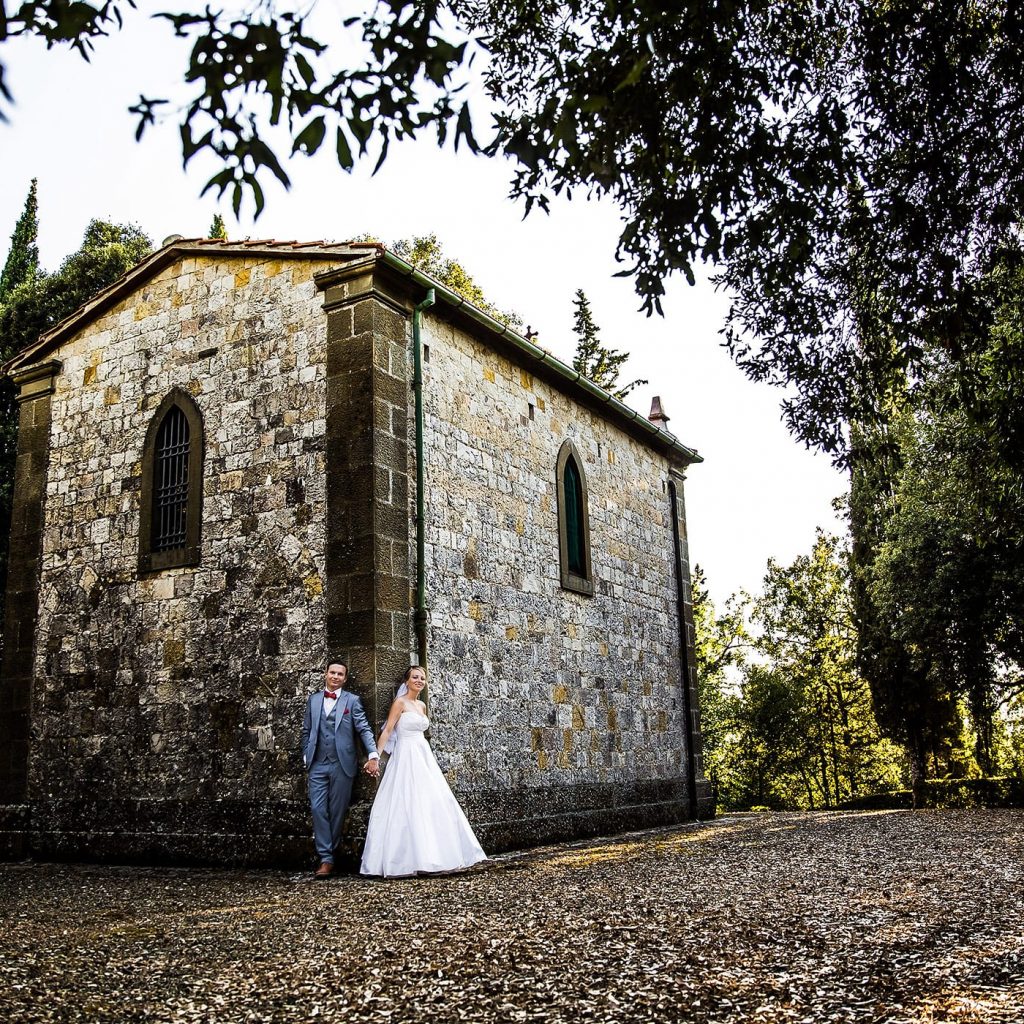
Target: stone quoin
216, 490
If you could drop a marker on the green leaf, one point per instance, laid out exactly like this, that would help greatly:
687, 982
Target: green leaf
310, 138
305, 69
343, 149
635, 73
464, 130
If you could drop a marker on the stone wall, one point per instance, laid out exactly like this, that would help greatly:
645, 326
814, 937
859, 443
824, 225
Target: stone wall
167, 708
554, 713
367, 529
22, 604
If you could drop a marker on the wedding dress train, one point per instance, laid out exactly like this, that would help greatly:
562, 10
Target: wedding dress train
416, 824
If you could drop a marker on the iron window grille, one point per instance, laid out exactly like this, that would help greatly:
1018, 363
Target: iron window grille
172, 485
170, 482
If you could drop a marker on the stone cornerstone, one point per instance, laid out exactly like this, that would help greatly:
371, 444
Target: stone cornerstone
153, 713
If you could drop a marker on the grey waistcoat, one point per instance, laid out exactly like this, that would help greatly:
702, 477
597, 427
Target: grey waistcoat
325, 747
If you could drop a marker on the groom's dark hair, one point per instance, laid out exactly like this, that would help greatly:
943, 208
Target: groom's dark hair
335, 661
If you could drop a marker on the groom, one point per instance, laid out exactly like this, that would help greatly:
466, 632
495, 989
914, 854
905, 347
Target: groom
330, 723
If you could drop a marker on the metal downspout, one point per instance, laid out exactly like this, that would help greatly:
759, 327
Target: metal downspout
420, 615
684, 655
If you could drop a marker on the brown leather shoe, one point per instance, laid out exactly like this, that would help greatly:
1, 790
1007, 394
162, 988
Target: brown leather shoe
325, 870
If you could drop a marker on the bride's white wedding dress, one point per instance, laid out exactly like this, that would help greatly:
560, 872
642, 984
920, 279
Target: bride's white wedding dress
416, 824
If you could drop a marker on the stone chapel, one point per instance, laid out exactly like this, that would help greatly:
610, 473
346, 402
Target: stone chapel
245, 458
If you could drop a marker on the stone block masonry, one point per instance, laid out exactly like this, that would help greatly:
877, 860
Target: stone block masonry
153, 713
556, 713
167, 706
22, 602
367, 525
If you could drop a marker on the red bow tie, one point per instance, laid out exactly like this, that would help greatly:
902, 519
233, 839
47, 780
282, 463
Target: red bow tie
331, 693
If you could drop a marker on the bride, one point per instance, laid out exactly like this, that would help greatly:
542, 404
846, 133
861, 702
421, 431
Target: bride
416, 824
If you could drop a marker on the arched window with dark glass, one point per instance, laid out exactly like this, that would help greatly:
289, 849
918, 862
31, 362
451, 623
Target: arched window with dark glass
573, 522
172, 468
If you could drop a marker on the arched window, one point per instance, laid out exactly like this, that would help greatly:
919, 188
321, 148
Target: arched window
172, 485
575, 542
573, 522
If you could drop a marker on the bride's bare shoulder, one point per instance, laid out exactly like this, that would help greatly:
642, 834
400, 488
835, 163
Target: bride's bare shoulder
403, 704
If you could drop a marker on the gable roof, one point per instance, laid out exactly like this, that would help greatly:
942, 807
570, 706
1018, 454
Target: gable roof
498, 334
174, 250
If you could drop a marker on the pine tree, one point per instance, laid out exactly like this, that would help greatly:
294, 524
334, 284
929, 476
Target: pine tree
597, 363
23, 259
217, 228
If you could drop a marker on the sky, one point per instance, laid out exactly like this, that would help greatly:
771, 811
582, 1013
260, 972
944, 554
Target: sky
758, 494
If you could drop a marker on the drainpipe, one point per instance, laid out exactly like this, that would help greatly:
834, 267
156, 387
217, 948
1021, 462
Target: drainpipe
684, 655
420, 615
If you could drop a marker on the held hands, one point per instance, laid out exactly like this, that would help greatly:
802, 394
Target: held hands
372, 767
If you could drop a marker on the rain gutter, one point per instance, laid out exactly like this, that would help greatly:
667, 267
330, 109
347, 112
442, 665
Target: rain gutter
538, 355
687, 671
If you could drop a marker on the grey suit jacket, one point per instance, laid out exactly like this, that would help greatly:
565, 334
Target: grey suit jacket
349, 719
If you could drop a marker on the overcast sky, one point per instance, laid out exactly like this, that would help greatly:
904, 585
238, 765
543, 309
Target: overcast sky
758, 493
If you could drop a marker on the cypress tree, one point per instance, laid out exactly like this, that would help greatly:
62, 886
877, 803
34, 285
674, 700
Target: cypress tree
217, 228
23, 259
592, 359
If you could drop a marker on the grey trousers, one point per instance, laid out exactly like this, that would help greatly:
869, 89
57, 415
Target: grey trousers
330, 790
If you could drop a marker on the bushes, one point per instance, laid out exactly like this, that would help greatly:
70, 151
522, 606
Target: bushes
946, 794
998, 791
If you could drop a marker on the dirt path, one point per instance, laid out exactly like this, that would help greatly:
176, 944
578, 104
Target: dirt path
892, 916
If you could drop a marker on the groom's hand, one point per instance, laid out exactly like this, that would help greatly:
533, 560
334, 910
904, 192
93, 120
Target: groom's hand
372, 766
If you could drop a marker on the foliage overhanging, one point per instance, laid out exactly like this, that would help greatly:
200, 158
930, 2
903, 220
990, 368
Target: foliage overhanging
779, 142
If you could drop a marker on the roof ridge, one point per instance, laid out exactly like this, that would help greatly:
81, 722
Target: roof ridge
152, 264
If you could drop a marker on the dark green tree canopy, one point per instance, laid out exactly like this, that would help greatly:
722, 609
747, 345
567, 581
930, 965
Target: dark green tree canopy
937, 509
812, 152
22, 263
107, 252
787, 720
218, 229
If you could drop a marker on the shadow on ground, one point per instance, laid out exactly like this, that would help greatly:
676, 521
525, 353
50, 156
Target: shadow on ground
883, 916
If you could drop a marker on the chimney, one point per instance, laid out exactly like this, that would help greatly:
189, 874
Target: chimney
657, 414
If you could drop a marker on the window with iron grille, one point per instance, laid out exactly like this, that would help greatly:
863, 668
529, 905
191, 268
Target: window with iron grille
170, 482
171, 499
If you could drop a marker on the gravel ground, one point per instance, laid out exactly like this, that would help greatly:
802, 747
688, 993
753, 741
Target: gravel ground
893, 916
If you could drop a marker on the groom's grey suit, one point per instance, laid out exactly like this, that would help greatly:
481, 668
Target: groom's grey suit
329, 754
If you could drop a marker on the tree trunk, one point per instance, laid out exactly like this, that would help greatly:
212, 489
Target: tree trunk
916, 757
983, 710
